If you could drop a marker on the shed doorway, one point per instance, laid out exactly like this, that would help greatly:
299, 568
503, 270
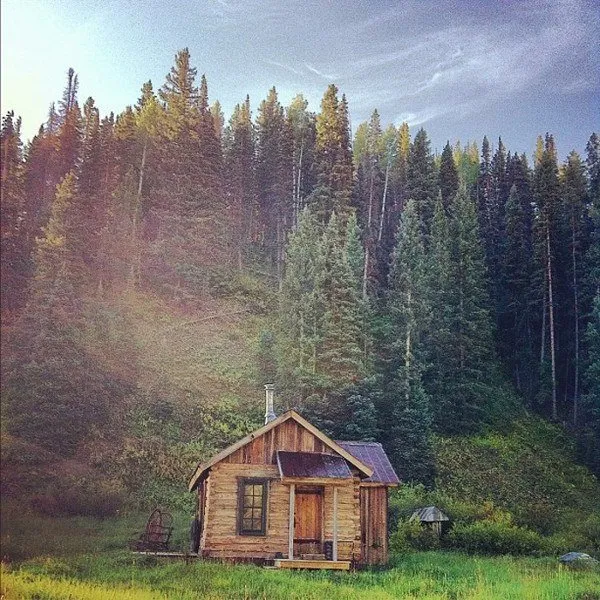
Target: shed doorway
308, 520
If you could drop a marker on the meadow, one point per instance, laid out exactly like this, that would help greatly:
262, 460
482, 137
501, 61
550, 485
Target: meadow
85, 559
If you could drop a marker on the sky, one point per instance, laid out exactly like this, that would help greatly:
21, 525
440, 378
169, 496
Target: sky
461, 69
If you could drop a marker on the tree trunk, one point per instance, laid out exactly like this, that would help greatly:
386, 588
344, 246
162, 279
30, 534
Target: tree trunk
137, 258
383, 201
551, 323
576, 308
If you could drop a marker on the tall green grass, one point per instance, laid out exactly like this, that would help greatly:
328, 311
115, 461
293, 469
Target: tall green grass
426, 576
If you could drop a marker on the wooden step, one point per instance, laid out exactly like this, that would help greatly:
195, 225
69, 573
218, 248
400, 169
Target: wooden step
286, 563
312, 557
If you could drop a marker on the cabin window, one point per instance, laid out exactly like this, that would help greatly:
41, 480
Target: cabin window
252, 506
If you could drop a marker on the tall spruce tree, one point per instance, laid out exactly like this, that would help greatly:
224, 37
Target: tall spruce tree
422, 182
574, 215
448, 176
341, 357
408, 305
333, 158
546, 195
273, 177
15, 247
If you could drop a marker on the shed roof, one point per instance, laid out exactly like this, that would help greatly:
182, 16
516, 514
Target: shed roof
429, 514
373, 455
312, 465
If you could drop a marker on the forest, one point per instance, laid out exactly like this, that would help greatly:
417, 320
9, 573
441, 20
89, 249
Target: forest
392, 293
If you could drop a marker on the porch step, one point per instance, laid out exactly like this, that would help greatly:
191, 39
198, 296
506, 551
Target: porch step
312, 557
284, 563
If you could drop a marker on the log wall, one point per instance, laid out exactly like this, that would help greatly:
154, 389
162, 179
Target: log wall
258, 459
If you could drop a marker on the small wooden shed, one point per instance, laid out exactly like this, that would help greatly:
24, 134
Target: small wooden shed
432, 517
290, 494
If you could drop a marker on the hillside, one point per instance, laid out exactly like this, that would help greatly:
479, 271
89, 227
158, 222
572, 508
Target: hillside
197, 385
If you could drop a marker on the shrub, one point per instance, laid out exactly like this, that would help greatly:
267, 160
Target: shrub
495, 537
411, 535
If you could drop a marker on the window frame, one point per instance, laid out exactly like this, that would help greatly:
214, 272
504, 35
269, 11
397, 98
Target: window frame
242, 483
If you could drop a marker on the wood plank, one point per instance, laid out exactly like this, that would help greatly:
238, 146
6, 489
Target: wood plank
291, 522
335, 523
339, 565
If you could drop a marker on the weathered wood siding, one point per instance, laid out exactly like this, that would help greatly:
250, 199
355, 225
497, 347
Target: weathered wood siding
290, 436
348, 514
258, 459
373, 517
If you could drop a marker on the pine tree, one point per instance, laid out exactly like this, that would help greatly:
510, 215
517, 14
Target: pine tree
241, 179
55, 390
448, 176
333, 158
574, 214
300, 308
69, 135
370, 196
468, 391
341, 357
546, 190
273, 176
409, 412
188, 214
302, 125
516, 341
439, 343
422, 179
15, 247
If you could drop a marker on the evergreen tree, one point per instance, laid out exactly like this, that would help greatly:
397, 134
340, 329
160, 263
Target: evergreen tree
341, 358
516, 340
240, 179
448, 176
333, 158
15, 248
409, 412
273, 177
422, 179
590, 413
188, 218
546, 193
302, 125
468, 389
55, 392
300, 309
574, 214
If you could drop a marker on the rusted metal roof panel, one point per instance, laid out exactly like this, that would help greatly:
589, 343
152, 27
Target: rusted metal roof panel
373, 455
312, 465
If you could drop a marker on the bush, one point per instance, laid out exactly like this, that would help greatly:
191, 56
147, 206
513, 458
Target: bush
411, 535
495, 537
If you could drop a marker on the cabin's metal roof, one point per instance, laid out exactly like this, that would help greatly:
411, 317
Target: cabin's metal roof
373, 455
312, 465
429, 514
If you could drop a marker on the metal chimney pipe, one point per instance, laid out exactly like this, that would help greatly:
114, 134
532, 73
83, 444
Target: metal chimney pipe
269, 412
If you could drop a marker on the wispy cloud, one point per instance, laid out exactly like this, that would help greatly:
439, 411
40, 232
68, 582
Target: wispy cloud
283, 66
322, 74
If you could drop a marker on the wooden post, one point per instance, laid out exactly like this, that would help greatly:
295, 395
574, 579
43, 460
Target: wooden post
335, 523
291, 526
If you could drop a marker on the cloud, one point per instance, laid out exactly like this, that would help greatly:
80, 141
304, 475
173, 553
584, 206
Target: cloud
326, 76
288, 68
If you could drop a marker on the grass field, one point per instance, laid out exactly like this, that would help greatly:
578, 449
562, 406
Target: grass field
83, 559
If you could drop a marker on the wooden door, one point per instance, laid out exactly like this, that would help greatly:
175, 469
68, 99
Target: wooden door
308, 515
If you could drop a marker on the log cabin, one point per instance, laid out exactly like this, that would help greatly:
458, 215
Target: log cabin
288, 494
